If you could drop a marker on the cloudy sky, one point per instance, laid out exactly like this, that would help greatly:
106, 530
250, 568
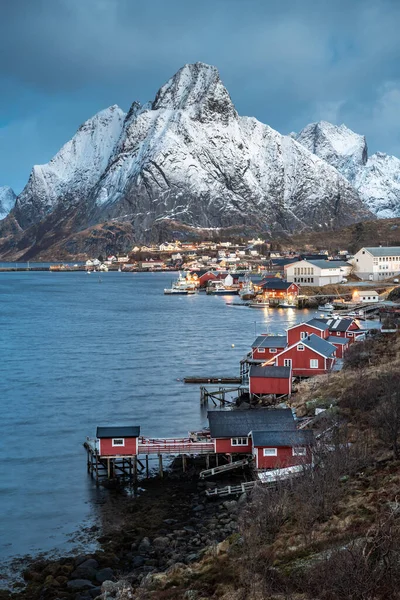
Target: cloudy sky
287, 62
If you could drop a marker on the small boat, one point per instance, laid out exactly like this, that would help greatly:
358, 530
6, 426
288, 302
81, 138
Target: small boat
219, 288
287, 305
178, 292
88, 272
259, 305
326, 307
119, 270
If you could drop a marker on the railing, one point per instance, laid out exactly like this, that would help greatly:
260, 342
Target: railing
173, 446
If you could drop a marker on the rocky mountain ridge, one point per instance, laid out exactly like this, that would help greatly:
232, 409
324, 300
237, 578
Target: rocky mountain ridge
376, 178
7, 201
187, 157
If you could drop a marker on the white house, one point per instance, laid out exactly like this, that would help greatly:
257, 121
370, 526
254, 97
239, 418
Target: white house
377, 263
366, 296
317, 272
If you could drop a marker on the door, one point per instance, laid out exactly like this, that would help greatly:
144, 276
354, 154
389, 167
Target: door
287, 362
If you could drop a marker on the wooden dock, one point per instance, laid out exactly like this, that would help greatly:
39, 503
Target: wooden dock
199, 379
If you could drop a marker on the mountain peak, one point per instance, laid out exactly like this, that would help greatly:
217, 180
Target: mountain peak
336, 144
196, 87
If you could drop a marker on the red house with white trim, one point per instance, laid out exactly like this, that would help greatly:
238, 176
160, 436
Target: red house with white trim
231, 430
303, 330
343, 328
281, 449
308, 357
118, 441
265, 347
264, 381
341, 344
280, 290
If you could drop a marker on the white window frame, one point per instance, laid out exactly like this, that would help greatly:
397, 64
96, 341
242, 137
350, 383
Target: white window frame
261, 350
300, 347
338, 333
303, 335
117, 445
286, 361
350, 333
312, 363
270, 451
240, 441
299, 451
272, 350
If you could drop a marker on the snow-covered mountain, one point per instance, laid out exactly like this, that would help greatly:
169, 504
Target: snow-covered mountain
376, 179
187, 157
7, 201
74, 170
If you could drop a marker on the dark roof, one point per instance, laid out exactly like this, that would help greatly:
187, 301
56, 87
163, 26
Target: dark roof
337, 340
118, 431
313, 256
270, 372
277, 285
318, 324
319, 345
226, 424
269, 341
282, 438
329, 264
339, 324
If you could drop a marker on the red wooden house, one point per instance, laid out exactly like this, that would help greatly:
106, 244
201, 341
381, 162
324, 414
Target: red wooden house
343, 328
303, 330
281, 290
281, 449
118, 441
265, 346
307, 357
204, 276
341, 344
231, 430
264, 381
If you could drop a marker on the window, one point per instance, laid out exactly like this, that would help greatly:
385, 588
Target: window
287, 362
338, 333
303, 335
270, 451
350, 334
261, 350
241, 441
118, 442
299, 451
314, 363
300, 347
272, 350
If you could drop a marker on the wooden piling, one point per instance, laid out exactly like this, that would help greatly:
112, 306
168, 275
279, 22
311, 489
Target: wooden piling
160, 464
135, 469
108, 468
184, 462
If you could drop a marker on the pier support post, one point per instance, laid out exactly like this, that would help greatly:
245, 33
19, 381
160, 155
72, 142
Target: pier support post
135, 469
147, 466
97, 470
108, 469
207, 461
216, 460
184, 462
160, 465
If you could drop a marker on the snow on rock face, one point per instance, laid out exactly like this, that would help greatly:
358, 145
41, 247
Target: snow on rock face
378, 183
190, 157
74, 170
7, 201
337, 145
376, 179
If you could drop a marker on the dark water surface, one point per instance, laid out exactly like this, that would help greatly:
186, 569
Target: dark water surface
77, 351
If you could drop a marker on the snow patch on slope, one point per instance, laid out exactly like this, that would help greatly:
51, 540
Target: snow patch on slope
376, 179
75, 169
7, 201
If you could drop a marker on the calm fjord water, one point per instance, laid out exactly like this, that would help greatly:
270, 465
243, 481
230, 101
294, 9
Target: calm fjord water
77, 351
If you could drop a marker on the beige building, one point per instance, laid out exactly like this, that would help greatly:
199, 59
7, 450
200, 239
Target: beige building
377, 263
317, 272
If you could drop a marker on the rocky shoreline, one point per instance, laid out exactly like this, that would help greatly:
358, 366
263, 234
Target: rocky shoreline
170, 525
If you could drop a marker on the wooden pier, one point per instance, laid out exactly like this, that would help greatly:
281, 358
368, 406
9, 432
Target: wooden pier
129, 467
197, 379
219, 396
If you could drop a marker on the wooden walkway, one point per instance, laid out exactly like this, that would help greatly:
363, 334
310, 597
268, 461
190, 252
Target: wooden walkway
224, 468
198, 379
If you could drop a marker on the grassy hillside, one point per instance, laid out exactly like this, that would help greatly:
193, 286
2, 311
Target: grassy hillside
334, 533
368, 233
